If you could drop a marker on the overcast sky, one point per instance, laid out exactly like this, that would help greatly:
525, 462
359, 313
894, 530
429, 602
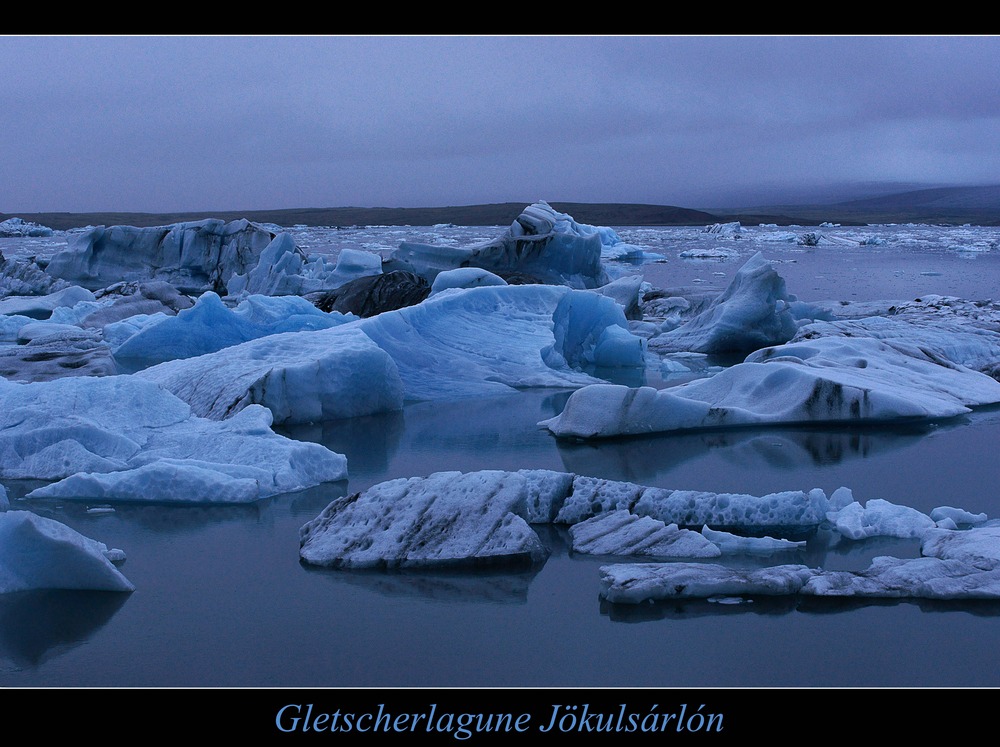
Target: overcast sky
230, 123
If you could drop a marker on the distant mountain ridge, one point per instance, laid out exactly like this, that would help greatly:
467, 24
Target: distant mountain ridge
978, 205
941, 198
495, 214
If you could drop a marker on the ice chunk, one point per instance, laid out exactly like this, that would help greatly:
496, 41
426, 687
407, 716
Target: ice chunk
41, 307
18, 227
957, 515
210, 326
541, 242
732, 544
53, 430
752, 313
464, 277
891, 578
445, 520
301, 377
40, 553
978, 546
623, 533
879, 518
632, 583
194, 257
823, 380
590, 329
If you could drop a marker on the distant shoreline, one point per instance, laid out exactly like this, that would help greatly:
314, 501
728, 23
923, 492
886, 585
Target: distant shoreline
502, 214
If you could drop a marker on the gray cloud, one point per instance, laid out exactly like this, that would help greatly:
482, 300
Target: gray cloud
188, 123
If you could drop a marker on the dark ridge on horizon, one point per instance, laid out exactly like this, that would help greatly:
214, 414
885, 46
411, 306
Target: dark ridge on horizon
496, 214
977, 205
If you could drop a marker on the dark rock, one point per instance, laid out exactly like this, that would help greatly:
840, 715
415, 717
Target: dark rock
370, 296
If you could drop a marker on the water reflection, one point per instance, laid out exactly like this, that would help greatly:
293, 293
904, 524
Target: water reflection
36, 626
646, 458
496, 587
779, 606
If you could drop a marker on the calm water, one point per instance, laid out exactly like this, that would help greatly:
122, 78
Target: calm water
222, 599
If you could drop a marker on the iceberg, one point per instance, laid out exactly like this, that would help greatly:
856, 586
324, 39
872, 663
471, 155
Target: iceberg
449, 518
542, 243
486, 340
193, 257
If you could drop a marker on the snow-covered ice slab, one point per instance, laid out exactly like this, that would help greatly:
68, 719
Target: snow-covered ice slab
301, 377
112, 425
447, 519
826, 380
885, 578
753, 312
40, 553
542, 243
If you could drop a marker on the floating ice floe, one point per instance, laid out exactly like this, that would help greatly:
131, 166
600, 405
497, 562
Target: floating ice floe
40, 553
724, 229
193, 257
541, 243
751, 313
112, 425
823, 380
885, 578
707, 253
453, 518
